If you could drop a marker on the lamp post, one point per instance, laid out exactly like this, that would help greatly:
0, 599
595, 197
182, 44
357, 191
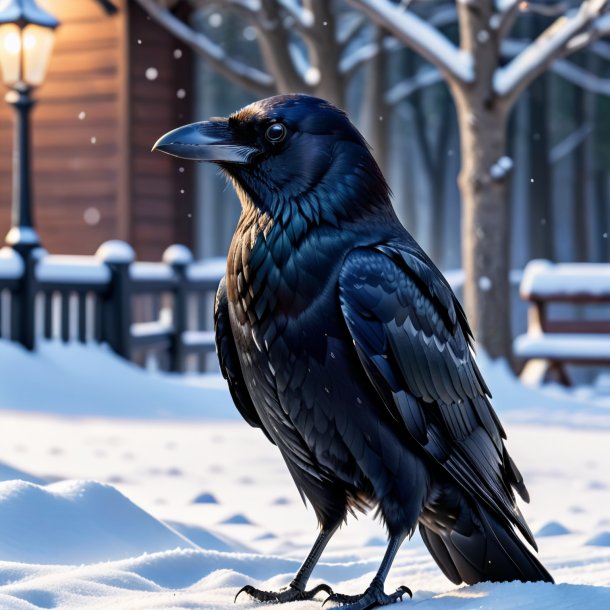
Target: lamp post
26, 41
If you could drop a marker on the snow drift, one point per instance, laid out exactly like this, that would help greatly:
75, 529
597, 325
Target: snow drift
76, 522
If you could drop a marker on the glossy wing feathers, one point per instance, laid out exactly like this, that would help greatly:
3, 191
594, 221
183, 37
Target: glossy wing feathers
413, 341
229, 360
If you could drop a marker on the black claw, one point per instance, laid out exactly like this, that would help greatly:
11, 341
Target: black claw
372, 597
404, 590
321, 587
288, 594
242, 590
339, 598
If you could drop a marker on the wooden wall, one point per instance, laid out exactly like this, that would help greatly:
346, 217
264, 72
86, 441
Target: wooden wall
161, 186
97, 118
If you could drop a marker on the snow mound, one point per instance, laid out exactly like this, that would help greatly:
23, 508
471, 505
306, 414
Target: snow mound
601, 539
205, 539
553, 528
76, 522
77, 379
8, 473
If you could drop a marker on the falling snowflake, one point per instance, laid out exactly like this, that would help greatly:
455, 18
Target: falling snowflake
215, 20
151, 73
485, 283
92, 216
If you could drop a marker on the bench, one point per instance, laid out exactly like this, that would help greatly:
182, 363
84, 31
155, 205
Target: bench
551, 342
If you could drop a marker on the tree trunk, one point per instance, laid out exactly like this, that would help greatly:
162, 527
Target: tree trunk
374, 112
485, 225
541, 209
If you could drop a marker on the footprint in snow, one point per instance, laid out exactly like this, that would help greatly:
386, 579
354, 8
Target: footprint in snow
281, 501
601, 539
237, 519
597, 485
267, 536
553, 528
205, 498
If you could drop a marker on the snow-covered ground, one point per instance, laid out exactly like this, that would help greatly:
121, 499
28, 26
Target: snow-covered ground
129, 490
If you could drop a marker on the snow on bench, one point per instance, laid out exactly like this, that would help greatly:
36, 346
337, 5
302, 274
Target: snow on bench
563, 341
543, 280
564, 347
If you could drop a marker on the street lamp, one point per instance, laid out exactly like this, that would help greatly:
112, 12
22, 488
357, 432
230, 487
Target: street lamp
26, 40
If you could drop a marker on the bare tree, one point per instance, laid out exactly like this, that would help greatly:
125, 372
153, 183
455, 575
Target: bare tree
316, 46
309, 46
484, 91
305, 45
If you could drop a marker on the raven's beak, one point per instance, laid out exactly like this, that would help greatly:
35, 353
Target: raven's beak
205, 141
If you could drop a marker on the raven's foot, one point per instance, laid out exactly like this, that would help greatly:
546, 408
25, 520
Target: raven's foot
289, 594
373, 597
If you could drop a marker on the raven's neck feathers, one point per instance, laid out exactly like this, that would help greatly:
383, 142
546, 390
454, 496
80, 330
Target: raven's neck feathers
350, 189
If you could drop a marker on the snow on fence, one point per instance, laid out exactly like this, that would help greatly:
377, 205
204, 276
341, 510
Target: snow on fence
139, 309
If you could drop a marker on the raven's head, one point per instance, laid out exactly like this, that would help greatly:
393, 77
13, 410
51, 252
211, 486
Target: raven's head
287, 149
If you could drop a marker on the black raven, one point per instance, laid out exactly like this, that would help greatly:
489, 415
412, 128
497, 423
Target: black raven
342, 341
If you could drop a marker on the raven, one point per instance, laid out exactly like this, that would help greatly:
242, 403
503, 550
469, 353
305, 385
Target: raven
343, 342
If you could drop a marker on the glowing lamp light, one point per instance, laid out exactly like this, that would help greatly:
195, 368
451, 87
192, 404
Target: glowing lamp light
26, 41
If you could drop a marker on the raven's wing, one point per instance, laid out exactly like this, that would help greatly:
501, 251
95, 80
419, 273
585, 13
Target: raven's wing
414, 343
229, 360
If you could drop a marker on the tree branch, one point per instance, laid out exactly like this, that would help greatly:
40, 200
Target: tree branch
246, 9
565, 35
424, 77
503, 20
303, 17
250, 78
563, 68
416, 33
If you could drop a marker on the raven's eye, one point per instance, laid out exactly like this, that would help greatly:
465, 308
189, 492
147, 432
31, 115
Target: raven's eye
275, 133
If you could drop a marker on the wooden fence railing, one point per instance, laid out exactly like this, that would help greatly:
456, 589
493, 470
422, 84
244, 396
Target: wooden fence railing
139, 309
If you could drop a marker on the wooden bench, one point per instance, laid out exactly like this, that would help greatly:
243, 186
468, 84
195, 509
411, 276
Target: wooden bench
550, 342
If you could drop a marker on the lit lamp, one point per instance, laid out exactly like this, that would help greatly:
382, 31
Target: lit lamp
26, 41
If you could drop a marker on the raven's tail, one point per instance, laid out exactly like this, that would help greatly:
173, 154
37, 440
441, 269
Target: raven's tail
490, 551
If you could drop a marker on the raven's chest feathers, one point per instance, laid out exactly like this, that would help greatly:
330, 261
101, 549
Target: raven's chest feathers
281, 283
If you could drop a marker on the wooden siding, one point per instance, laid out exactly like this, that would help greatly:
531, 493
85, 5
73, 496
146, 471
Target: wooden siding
71, 172
160, 213
102, 162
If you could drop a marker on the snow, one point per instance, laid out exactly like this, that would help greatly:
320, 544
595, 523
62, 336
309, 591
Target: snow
194, 338
211, 270
82, 521
542, 278
74, 269
90, 380
22, 235
148, 492
156, 328
177, 254
423, 37
11, 264
581, 346
151, 271
116, 251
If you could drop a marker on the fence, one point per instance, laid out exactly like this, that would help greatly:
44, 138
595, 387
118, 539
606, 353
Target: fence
141, 310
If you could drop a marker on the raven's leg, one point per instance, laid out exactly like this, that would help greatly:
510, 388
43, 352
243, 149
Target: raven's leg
296, 589
374, 596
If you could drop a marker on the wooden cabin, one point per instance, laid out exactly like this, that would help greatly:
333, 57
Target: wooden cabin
114, 85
